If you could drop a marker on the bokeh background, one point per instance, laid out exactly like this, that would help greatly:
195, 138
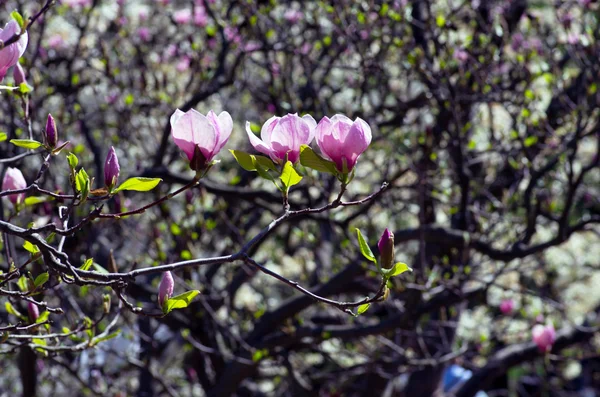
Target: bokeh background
485, 124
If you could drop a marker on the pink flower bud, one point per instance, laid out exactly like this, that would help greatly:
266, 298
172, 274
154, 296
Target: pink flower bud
13, 180
283, 136
197, 135
343, 141
19, 74
9, 55
51, 133
544, 336
507, 306
182, 16
386, 249
165, 289
111, 169
34, 311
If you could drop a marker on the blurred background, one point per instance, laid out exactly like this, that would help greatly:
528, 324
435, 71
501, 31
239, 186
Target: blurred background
485, 124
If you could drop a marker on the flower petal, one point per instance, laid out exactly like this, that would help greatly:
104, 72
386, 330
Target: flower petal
256, 142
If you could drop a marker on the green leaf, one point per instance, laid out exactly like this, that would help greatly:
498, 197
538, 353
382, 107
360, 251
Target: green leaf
82, 184
310, 159
41, 279
22, 284
362, 308
180, 301
30, 247
3, 136
398, 269
11, 309
364, 247
19, 18
245, 160
24, 88
138, 184
87, 264
289, 176
73, 160
42, 317
26, 143
264, 162
105, 337
35, 200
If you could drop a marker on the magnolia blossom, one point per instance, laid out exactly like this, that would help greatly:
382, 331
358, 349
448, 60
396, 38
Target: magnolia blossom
343, 141
507, 306
14, 180
111, 168
9, 55
386, 249
165, 289
200, 137
182, 16
283, 136
544, 336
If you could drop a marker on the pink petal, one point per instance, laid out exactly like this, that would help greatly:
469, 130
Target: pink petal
256, 142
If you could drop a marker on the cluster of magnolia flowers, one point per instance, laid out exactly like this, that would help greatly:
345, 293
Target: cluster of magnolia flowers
340, 139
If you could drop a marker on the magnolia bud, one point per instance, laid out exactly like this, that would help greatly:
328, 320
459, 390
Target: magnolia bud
386, 249
165, 290
33, 311
111, 169
19, 75
51, 134
14, 180
106, 303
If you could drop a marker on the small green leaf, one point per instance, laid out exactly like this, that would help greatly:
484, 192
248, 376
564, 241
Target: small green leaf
3, 136
30, 247
73, 160
26, 143
362, 308
289, 176
245, 160
23, 284
180, 301
105, 337
42, 317
138, 184
87, 264
310, 159
24, 88
19, 18
398, 269
35, 200
11, 309
440, 21
364, 247
82, 184
41, 279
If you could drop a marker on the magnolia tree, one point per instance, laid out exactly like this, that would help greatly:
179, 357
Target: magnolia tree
412, 208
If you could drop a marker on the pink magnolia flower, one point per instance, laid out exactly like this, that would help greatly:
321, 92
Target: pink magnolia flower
13, 180
111, 169
386, 249
182, 16
507, 306
544, 336
165, 289
9, 55
56, 41
283, 136
200, 137
343, 141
